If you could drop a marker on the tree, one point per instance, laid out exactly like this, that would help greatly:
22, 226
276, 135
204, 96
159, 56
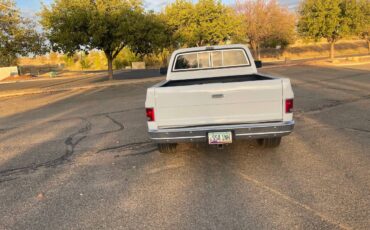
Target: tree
208, 22
18, 35
107, 25
266, 24
364, 28
152, 33
331, 20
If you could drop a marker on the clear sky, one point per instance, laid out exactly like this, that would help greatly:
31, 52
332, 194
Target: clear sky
29, 7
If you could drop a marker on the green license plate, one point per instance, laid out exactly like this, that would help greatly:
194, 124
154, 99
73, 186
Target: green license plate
217, 138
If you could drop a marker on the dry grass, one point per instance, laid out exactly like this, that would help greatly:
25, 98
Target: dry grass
302, 50
349, 61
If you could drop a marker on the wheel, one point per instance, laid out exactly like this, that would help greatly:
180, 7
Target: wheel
269, 142
167, 148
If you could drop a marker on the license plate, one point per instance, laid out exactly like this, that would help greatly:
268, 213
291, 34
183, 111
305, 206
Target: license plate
217, 138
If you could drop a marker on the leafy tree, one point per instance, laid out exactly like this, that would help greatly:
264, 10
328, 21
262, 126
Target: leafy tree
208, 22
266, 24
107, 25
18, 35
152, 33
364, 28
331, 20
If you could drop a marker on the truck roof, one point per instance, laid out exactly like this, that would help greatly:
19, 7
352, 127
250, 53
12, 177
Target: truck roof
210, 72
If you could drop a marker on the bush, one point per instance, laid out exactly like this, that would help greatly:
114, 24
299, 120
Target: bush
120, 64
85, 64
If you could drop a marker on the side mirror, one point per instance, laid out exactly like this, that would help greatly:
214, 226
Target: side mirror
163, 70
258, 64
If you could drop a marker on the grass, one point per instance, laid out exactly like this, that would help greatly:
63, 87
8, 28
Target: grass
301, 50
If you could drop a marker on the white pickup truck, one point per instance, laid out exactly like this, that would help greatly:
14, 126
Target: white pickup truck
215, 95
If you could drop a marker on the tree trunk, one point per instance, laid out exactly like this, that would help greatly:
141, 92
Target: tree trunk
368, 46
110, 67
254, 48
332, 49
200, 43
258, 52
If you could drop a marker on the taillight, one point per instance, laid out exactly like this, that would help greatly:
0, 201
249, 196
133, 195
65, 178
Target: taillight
150, 114
288, 105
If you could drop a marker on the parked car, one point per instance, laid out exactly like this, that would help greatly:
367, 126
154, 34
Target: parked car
215, 95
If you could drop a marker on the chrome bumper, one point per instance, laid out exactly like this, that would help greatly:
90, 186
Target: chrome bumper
244, 131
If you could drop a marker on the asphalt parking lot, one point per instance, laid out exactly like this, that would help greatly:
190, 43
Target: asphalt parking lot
82, 160
76, 81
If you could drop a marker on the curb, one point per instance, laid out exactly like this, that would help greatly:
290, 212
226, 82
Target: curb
345, 64
92, 86
279, 66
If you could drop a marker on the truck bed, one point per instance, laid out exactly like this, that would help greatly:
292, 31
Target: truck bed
228, 79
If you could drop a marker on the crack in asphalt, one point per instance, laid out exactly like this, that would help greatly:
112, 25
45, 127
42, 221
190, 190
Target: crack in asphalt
133, 146
332, 105
359, 130
70, 143
70, 147
8, 179
120, 126
101, 114
4, 130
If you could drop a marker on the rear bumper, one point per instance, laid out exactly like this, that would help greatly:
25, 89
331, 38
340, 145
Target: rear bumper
243, 131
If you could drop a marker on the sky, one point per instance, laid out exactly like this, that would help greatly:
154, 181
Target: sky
30, 7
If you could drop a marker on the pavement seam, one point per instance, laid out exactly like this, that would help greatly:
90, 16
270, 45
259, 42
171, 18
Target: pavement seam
293, 201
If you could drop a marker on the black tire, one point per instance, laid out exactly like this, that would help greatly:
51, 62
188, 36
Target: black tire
269, 142
167, 148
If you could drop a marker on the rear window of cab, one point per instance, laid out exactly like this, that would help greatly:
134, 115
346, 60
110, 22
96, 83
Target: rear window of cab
211, 59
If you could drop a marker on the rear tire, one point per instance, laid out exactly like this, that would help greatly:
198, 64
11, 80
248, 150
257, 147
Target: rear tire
269, 142
167, 148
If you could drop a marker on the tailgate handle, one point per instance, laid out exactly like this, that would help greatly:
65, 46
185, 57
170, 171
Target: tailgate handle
217, 96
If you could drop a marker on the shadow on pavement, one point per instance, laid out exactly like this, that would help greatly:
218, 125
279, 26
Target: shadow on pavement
137, 74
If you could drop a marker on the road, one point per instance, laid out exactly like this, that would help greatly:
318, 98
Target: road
82, 160
56, 83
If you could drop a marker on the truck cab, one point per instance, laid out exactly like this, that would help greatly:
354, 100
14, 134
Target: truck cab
215, 95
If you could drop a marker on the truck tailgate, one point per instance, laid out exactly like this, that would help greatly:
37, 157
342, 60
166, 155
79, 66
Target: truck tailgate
219, 103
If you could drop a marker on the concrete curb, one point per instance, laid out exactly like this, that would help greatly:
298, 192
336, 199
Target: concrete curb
279, 66
345, 64
86, 87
